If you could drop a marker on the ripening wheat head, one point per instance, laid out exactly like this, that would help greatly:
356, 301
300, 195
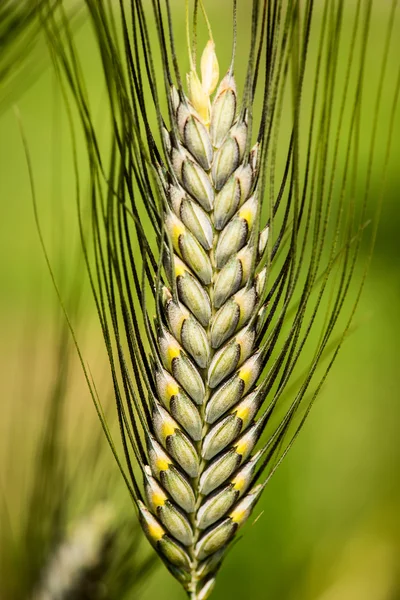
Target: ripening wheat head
198, 225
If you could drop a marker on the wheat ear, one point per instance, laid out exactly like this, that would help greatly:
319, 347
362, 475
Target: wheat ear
204, 418
191, 229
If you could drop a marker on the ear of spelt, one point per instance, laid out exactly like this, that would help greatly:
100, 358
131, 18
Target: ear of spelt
190, 230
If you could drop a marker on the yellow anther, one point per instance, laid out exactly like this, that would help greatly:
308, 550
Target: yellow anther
238, 515
158, 499
247, 215
242, 447
177, 230
162, 464
155, 530
171, 389
167, 428
242, 413
173, 352
238, 483
179, 269
246, 374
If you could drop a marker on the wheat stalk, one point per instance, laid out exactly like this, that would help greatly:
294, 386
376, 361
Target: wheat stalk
190, 229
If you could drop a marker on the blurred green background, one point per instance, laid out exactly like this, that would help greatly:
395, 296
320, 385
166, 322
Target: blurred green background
329, 526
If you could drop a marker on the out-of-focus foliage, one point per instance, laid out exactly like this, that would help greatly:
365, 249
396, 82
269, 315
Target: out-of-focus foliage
23, 49
330, 528
66, 524
67, 528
